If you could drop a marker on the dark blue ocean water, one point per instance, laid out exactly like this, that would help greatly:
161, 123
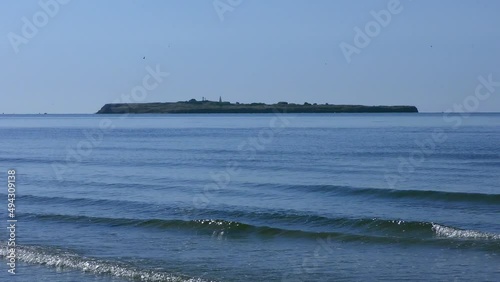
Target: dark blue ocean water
333, 197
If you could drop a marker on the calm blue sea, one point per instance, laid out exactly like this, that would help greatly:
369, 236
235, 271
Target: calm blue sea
252, 197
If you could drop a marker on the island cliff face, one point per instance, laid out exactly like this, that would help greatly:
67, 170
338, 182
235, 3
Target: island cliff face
193, 106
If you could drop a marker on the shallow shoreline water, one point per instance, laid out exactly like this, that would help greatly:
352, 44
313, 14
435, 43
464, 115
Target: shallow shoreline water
263, 197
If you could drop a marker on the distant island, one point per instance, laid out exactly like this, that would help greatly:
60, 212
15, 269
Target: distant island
205, 106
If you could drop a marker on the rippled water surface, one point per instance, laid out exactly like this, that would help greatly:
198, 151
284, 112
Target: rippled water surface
352, 197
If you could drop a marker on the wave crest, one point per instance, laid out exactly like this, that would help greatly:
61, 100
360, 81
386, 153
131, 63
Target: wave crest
450, 232
65, 259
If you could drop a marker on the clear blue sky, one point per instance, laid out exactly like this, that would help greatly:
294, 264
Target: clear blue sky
91, 52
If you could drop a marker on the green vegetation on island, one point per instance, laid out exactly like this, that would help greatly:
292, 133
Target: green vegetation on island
193, 106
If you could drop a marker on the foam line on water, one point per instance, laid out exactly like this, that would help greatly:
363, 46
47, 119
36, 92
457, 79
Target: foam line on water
64, 259
450, 232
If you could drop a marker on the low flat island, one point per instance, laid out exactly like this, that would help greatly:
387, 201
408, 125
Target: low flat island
203, 107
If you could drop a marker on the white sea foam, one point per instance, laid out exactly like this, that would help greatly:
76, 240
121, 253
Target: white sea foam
449, 232
62, 259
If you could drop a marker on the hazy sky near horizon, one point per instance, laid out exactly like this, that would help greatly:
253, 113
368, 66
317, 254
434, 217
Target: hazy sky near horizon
89, 53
